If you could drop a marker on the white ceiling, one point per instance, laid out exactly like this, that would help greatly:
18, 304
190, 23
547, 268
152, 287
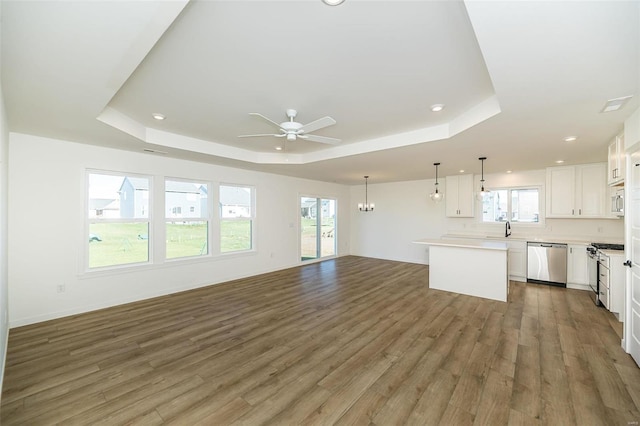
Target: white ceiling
516, 78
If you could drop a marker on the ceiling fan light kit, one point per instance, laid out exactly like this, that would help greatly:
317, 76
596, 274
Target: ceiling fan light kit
293, 130
332, 2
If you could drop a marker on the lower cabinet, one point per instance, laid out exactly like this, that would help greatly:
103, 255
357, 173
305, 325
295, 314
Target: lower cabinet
517, 266
616, 283
577, 265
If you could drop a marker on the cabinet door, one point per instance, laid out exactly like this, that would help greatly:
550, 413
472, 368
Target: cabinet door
560, 191
451, 196
622, 162
465, 195
459, 196
577, 264
517, 261
612, 164
590, 201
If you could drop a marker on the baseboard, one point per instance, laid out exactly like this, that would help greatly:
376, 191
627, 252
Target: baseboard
579, 287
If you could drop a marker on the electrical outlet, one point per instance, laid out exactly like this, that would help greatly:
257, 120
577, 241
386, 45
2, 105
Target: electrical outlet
61, 288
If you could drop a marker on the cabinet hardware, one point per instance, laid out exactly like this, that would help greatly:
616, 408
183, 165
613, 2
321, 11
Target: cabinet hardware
573, 211
580, 212
628, 263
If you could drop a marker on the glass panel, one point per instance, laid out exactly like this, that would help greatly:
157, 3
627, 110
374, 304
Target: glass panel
235, 201
328, 228
118, 197
186, 239
308, 228
235, 235
524, 205
495, 206
118, 244
185, 200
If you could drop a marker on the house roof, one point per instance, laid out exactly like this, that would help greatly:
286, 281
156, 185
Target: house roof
234, 196
515, 79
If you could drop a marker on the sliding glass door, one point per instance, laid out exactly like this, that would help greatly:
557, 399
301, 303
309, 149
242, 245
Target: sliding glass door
317, 227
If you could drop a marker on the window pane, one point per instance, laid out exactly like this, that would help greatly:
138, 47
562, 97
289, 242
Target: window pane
235, 201
118, 244
524, 205
309, 228
116, 197
495, 206
235, 235
185, 200
186, 239
327, 228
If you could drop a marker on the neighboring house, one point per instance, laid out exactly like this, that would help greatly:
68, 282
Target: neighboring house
184, 200
235, 201
107, 208
309, 209
134, 197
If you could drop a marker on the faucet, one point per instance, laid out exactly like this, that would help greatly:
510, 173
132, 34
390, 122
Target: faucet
507, 229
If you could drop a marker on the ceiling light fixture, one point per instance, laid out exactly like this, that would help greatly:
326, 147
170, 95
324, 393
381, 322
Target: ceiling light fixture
332, 2
158, 116
482, 190
570, 138
366, 207
509, 171
615, 104
437, 107
436, 196
461, 171
278, 148
559, 161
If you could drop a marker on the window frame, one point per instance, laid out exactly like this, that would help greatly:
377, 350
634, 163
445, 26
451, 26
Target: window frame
541, 217
166, 220
88, 221
251, 218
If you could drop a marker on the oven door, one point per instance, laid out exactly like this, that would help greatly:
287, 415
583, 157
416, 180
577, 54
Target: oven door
592, 256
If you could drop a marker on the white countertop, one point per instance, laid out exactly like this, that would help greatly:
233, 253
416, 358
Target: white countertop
473, 243
540, 239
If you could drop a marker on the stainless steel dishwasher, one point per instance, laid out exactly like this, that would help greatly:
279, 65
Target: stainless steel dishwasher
547, 263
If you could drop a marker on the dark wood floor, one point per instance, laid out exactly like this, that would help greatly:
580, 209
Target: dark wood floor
346, 341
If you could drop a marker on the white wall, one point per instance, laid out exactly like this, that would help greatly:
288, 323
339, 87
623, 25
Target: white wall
404, 213
46, 247
4, 308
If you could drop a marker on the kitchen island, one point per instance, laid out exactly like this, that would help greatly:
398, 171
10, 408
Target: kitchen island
471, 267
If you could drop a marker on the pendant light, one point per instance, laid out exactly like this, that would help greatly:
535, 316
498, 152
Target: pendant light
366, 207
482, 190
436, 195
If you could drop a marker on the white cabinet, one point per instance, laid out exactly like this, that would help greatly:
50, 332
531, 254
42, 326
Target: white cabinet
616, 164
459, 196
517, 265
577, 264
576, 191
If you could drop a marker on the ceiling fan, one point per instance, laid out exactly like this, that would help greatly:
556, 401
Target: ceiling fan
293, 130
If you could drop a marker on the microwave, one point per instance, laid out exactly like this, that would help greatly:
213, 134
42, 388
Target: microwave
617, 202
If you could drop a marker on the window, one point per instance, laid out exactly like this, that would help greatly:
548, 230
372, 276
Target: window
236, 218
186, 233
118, 220
511, 204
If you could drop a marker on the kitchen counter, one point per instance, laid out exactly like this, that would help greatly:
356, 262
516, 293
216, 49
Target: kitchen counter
471, 267
538, 239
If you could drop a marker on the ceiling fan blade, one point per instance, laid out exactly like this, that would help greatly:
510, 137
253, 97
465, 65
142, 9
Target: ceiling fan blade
268, 120
318, 124
321, 139
260, 135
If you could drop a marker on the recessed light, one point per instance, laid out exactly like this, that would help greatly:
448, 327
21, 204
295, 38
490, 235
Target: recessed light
278, 148
570, 138
509, 171
437, 107
615, 104
461, 171
559, 161
158, 116
332, 2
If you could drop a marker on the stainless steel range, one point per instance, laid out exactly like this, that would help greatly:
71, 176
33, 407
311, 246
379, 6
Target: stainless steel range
595, 267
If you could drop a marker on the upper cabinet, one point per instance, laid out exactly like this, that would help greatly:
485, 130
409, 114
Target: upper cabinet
616, 163
459, 196
577, 191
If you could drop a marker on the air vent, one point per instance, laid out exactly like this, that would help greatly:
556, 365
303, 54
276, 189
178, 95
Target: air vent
615, 104
154, 151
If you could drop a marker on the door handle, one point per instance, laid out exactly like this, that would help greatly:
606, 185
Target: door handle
628, 263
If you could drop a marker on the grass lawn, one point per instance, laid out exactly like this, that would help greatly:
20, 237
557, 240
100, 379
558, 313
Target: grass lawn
125, 243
